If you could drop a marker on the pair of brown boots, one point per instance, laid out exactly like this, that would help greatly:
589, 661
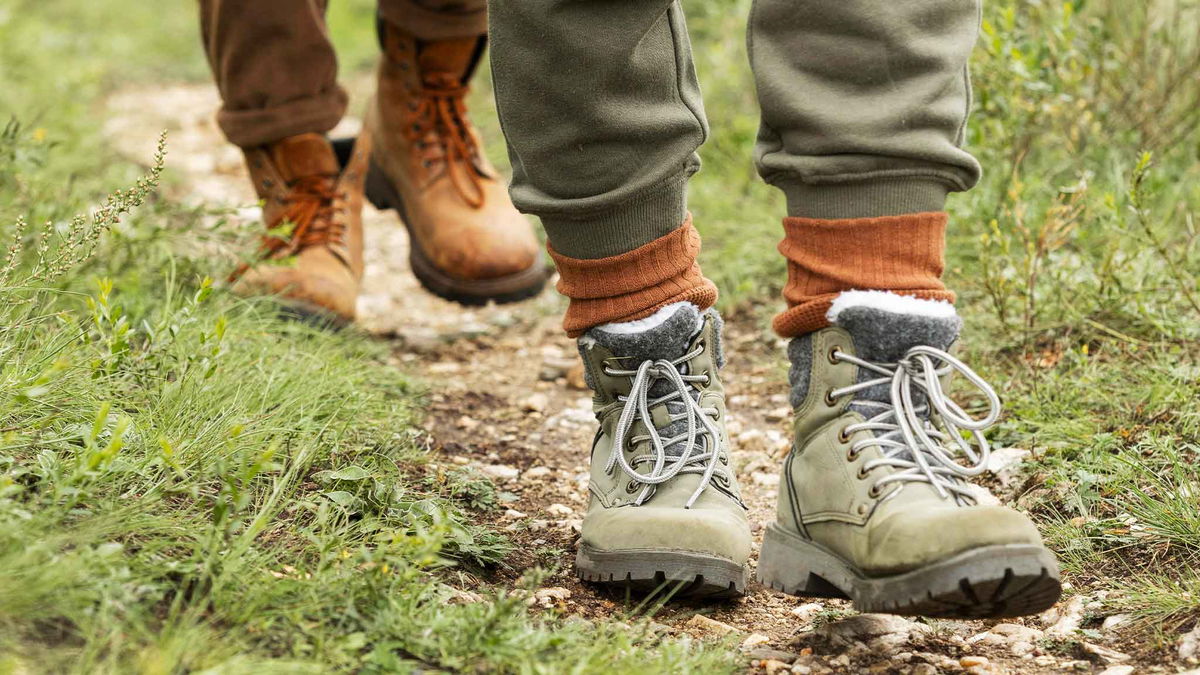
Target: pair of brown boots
418, 154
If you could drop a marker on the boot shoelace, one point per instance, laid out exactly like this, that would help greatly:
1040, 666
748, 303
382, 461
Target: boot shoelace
701, 430
907, 435
309, 209
440, 109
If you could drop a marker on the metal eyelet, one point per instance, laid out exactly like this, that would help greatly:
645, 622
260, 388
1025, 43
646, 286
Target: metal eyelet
832, 356
874, 492
852, 454
844, 436
862, 473
829, 399
632, 487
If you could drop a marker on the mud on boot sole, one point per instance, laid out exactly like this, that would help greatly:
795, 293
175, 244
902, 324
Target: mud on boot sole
680, 573
989, 582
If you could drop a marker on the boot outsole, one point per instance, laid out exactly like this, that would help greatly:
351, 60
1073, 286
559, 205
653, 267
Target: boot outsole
681, 574
1005, 580
311, 314
473, 292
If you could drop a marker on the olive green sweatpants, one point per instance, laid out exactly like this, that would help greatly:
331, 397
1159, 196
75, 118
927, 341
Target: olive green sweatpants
863, 105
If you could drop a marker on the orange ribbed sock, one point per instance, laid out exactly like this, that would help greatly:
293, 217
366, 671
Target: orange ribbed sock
633, 285
901, 254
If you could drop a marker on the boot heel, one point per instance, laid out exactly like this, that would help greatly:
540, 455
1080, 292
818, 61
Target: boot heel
785, 564
380, 191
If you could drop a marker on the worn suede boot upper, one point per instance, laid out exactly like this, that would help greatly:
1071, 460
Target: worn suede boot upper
660, 474
312, 254
873, 475
463, 224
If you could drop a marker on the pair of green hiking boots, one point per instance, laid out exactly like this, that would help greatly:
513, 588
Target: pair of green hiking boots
874, 499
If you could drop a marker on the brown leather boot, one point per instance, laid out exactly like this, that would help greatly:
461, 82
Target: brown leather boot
312, 254
468, 242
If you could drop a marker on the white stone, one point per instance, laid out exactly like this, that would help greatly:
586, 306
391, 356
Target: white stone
1015, 632
1189, 644
704, 624
807, 611
535, 402
1021, 648
548, 597
755, 640
1107, 655
1067, 619
1111, 622
501, 471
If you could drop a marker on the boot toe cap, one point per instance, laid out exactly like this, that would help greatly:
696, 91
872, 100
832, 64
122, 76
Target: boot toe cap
500, 244
716, 532
328, 289
907, 541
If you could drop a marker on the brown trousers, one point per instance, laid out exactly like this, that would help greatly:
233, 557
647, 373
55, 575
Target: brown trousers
275, 65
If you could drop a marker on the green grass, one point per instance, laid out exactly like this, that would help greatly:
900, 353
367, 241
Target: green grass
173, 496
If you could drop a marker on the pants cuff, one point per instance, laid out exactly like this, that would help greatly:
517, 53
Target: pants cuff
625, 228
864, 199
428, 24
315, 115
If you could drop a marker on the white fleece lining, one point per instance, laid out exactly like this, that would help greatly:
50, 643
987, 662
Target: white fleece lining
642, 325
890, 302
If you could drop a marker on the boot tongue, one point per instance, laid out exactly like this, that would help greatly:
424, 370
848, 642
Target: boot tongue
884, 326
447, 57
304, 155
666, 334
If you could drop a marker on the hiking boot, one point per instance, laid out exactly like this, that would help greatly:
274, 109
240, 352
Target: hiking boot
468, 242
312, 253
665, 505
873, 504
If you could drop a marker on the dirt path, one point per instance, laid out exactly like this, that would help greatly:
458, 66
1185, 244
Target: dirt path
507, 398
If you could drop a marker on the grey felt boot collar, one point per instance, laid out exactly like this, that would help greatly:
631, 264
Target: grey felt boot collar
883, 326
666, 334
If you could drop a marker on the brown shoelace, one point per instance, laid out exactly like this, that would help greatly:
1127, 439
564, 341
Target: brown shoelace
440, 109
309, 209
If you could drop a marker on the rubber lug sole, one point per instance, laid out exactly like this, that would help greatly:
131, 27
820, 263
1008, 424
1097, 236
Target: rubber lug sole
311, 314
998, 581
684, 574
512, 288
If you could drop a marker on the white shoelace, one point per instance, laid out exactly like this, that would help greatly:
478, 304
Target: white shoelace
701, 430
913, 441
